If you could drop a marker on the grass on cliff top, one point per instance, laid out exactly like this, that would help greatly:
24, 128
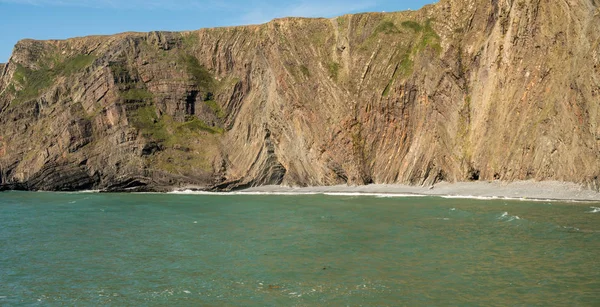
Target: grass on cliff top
425, 38
423, 35
33, 82
190, 40
74, 64
386, 27
428, 37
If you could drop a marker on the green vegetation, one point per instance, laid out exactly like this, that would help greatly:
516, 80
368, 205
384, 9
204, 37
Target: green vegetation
428, 35
200, 75
334, 70
404, 69
190, 40
214, 106
136, 94
74, 64
146, 120
415, 26
386, 91
32, 82
196, 125
427, 38
118, 69
342, 22
319, 35
184, 146
430, 38
164, 129
11, 88
386, 27
130, 89
304, 70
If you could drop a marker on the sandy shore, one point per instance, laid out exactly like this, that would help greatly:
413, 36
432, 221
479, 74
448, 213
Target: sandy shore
546, 190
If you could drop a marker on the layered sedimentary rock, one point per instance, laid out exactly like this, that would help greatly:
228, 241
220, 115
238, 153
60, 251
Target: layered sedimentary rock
459, 90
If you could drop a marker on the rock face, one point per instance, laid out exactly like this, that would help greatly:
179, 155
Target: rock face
460, 90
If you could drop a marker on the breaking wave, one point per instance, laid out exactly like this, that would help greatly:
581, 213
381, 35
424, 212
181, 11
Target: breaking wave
509, 218
594, 210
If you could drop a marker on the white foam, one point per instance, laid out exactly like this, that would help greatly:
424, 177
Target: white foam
352, 194
186, 291
594, 210
500, 198
300, 192
379, 195
399, 195
190, 192
469, 197
508, 218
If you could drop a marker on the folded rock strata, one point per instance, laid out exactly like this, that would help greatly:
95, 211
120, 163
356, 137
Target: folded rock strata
456, 91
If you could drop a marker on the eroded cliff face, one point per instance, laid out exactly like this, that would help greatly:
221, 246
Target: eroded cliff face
459, 90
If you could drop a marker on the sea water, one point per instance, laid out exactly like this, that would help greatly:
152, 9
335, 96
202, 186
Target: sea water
89, 249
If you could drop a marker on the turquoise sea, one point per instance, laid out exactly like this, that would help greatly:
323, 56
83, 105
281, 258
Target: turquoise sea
89, 249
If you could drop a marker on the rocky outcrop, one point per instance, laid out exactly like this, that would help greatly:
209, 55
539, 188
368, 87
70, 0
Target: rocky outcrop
460, 90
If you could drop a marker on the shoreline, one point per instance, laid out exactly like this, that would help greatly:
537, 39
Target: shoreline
518, 190
484, 190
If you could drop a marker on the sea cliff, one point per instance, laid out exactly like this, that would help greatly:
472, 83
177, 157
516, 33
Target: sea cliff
461, 90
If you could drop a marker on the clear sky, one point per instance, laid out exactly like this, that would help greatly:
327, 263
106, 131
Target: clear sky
58, 19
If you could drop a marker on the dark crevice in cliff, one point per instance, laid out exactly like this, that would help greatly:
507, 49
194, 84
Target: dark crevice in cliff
190, 103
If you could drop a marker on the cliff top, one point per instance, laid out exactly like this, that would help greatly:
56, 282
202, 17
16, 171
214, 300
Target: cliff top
276, 22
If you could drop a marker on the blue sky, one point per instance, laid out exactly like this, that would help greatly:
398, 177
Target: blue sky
58, 19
